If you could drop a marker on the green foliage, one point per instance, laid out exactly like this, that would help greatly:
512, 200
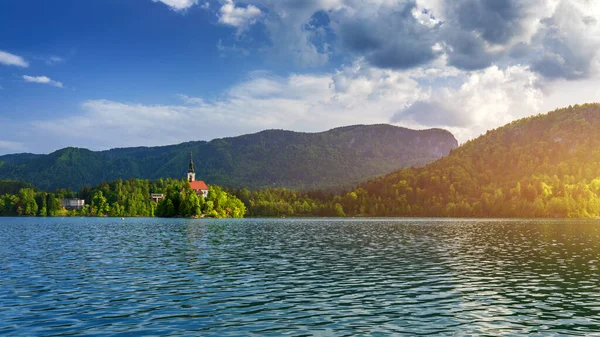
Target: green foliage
27, 204
12, 187
542, 166
279, 202
127, 198
339, 157
8, 202
223, 204
180, 200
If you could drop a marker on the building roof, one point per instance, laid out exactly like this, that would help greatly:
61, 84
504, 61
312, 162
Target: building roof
198, 185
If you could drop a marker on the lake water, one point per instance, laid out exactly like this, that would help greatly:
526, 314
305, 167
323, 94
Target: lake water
324, 277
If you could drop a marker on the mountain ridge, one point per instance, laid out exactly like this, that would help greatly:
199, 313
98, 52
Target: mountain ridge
547, 165
342, 156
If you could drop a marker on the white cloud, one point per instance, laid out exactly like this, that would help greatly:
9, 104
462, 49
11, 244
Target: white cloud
355, 94
190, 100
178, 5
231, 49
483, 100
42, 80
297, 102
52, 60
239, 17
11, 147
466, 103
294, 37
12, 60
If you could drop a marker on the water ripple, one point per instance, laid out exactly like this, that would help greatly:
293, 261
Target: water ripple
143, 277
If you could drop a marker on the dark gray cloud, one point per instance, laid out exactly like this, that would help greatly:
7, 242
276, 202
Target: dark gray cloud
496, 21
467, 51
471, 24
472, 34
521, 50
565, 52
431, 113
392, 38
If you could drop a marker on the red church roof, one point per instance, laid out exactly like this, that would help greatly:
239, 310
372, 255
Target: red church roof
198, 185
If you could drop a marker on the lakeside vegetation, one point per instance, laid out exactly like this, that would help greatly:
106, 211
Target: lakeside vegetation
124, 199
542, 166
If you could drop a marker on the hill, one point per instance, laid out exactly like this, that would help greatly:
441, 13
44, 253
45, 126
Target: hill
543, 166
12, 187
340, 157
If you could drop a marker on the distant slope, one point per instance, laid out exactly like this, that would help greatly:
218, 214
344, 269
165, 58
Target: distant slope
542, 166
273, 158
12, 187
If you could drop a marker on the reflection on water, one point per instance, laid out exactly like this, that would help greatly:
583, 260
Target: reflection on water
298, 277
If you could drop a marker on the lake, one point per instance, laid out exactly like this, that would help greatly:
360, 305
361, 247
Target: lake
299, 277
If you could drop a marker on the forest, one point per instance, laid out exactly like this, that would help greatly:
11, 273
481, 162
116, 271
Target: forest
124, 199
542, 166
341, 157
545, 166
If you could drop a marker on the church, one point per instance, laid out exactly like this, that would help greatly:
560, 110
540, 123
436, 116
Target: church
198, 186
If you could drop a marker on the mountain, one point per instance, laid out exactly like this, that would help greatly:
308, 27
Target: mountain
543, 166
12, 187
274, 158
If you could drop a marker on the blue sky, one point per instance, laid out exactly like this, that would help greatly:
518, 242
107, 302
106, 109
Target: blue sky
112, 73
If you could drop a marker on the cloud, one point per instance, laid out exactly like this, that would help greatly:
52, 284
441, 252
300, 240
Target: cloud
239, 17
486, 99
468, 103
52, 60
231, 49
10, 146
42, 80
293, 33
431, 113
178, 5
568, 42
9, 59
478, 33
395, 35
190, 100
555, 38
298, 102
496, 22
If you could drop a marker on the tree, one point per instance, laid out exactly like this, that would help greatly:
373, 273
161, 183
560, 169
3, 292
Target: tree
99, 205
27, 204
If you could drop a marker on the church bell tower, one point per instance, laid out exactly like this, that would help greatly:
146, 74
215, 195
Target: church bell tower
191, 174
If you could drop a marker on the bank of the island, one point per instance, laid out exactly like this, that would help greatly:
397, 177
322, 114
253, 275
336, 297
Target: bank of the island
124, 198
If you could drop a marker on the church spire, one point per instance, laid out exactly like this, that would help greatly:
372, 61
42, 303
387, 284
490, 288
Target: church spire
191, 174
191, 170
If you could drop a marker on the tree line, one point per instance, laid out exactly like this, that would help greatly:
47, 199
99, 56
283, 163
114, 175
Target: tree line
124, 199
541, 166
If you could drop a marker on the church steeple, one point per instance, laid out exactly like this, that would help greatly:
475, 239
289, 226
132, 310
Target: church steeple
191, 174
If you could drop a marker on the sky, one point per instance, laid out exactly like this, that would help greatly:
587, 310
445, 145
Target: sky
101, 74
